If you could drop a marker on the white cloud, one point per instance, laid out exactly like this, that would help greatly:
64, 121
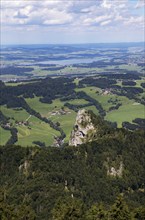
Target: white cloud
134, 21
140, 4
105, 22
102, 18
72, 16
73, 12
57, 17
106, 4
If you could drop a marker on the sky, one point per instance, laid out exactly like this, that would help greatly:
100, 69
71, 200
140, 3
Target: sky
71, 21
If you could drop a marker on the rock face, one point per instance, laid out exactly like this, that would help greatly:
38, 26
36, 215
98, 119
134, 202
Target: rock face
116, 172
84, 130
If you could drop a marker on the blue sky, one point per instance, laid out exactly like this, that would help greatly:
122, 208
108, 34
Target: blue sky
71, 21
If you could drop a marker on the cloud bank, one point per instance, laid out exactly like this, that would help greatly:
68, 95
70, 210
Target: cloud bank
72, 20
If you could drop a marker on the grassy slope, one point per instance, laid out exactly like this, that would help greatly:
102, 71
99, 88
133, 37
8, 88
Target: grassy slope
4, 136
66, 121
78, 102
39, 131
43, 108
127, 112
21, 115
103, 99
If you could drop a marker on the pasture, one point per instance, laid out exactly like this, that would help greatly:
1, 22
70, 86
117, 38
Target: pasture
43, 108
4, 136
36, 130
126, 112
51, 111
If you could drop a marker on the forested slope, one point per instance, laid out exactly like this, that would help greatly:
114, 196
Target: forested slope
75, 182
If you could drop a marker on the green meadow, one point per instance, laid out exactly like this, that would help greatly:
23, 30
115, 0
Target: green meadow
127, 112
35, 131
66, 122
38, 131
103, 99
17, 115
43, 108
4, 136
48, 110
78, 102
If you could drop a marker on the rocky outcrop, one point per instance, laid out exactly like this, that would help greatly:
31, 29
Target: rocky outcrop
84, 130
115, 172
24, 168
114, 166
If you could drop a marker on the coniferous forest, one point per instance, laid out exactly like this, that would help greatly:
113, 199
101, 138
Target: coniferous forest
75, 182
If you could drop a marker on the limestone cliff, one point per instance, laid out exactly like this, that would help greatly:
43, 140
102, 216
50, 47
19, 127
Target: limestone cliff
112, 171
84, 130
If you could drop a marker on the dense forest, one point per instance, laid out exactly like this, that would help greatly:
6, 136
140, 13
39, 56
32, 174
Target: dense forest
103, 179
19, 71
48, 88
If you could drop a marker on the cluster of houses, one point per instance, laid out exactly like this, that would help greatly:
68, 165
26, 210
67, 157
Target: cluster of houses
25, 123
17, 123
60, 112
106, 92
7, 125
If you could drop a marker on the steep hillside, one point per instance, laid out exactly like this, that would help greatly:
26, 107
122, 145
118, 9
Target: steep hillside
89, 127
49, 183
84, 130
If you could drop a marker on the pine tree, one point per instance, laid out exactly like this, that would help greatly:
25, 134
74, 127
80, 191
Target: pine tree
68, 209
119, 210
96, 212
139, 213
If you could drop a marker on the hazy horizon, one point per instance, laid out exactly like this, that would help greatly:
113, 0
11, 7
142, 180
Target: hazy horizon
129, 42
